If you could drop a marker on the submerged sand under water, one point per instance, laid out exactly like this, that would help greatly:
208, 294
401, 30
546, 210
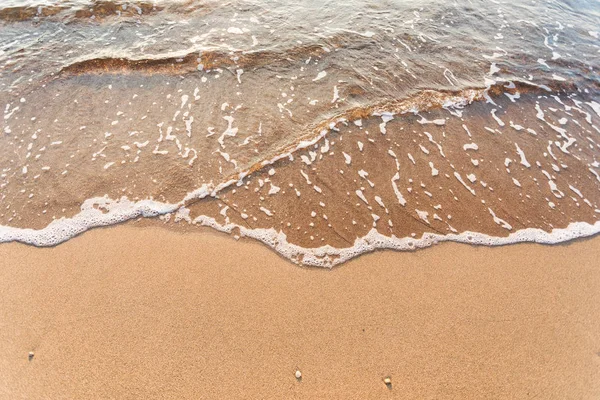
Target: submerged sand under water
323, 134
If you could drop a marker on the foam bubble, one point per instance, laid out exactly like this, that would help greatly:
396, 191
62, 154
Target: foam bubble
102, 211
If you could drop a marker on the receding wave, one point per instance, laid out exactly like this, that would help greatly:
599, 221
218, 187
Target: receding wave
192, 62
323, 134
95, 10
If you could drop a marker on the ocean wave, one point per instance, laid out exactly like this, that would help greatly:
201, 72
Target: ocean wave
71, 11
97, 9
190, 62
322, 132
103, 211
99, 212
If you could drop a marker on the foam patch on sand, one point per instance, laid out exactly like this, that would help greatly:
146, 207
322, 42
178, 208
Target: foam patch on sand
103, 211
99, 211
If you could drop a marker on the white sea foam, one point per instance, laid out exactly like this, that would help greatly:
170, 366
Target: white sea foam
103, 211
95, 212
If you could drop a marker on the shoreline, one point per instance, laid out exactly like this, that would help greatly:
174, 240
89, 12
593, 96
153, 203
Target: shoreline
148, 312
63, 230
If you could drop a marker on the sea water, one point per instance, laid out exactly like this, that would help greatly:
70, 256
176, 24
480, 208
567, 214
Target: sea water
322, 129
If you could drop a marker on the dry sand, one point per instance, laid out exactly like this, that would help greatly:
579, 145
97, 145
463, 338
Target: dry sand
149, 313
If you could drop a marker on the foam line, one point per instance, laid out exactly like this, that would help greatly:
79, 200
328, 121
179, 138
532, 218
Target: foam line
102, 211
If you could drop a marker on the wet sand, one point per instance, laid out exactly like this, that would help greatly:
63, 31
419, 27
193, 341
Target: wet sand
150, 313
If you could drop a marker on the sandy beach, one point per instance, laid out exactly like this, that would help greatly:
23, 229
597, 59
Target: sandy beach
131, 312
259, 199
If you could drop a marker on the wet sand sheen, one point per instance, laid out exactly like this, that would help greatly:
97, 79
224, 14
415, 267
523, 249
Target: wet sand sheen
140, 313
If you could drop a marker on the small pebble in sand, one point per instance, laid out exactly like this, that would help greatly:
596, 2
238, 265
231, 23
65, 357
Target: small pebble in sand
388, 381
298, 374
30, 355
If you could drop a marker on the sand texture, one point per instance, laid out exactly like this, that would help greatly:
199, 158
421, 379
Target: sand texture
150, 313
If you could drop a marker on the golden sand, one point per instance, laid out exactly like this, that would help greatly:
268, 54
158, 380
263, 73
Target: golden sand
149, 313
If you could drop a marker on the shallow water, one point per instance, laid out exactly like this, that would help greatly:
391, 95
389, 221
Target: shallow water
324, 130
